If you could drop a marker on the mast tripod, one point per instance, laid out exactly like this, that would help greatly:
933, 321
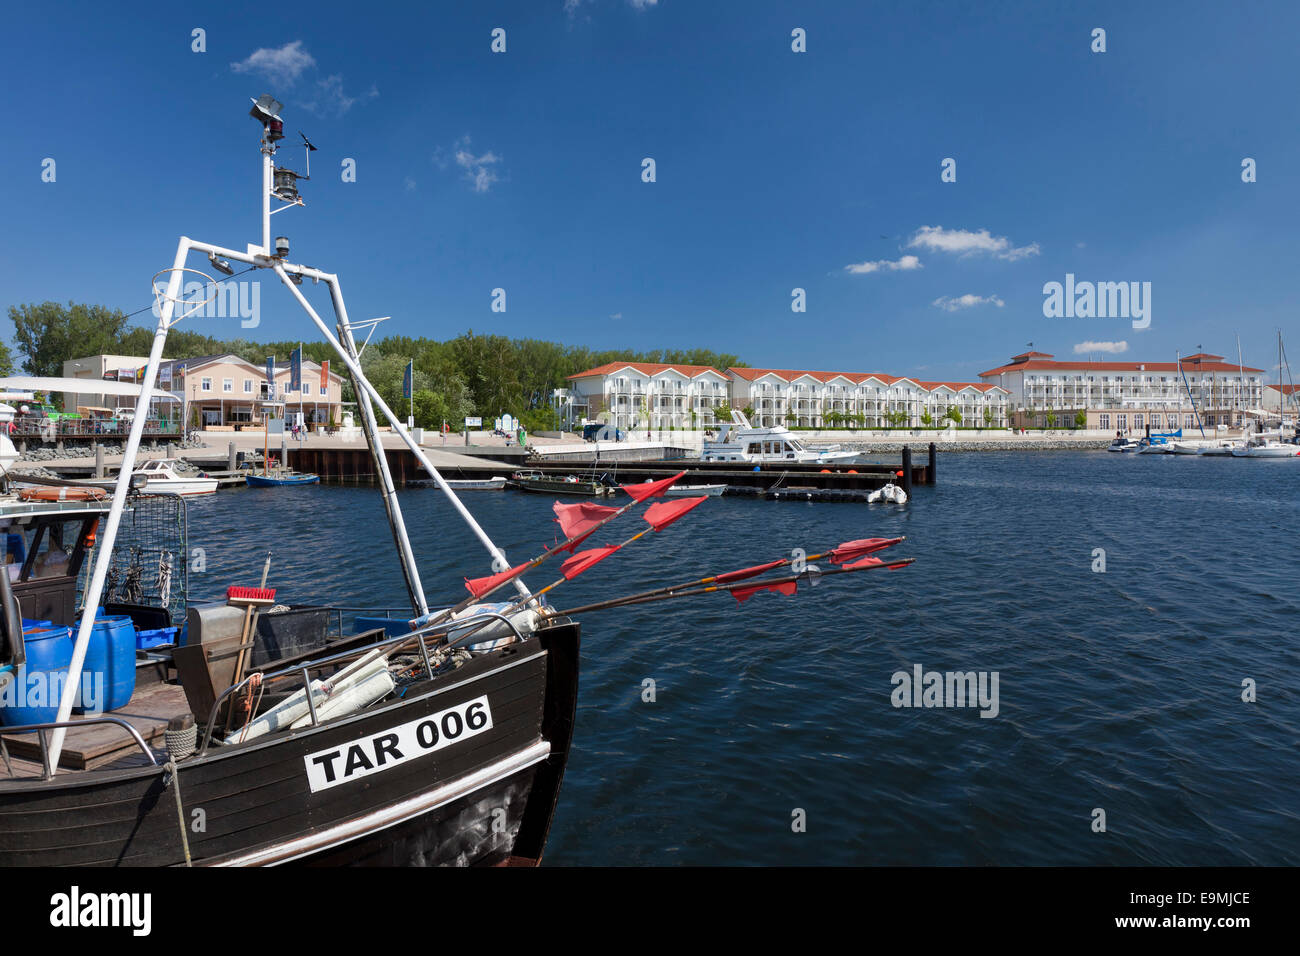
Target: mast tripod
279, 183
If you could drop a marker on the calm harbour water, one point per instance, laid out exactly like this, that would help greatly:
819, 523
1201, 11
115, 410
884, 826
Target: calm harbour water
1118, 690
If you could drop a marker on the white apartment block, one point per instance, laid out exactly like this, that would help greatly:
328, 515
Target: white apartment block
628, 395
1128, 395
635, 394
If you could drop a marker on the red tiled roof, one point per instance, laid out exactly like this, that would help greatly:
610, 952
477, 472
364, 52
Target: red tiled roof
958, 386
1029, 355
1286, 389
857, 378
647, 368
1042, 365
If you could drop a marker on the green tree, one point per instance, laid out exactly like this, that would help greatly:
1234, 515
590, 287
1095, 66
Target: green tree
1081, 419
927, 419
953, 415
49, 334
988, 417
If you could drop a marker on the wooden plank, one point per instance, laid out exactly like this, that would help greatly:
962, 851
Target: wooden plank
95, 745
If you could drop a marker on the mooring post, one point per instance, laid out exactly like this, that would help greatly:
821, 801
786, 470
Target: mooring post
230, 457
907, 469
284, 452
99, 461
171, 450
934, 460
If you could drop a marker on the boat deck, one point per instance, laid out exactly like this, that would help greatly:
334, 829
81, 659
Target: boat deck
98, 745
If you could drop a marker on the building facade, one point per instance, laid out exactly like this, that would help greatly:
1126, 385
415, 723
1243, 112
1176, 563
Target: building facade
629, 395
1127, 396
633, 394
229, 391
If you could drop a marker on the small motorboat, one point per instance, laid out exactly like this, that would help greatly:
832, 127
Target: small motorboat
1123, 444
694, 491
889, 494
165, 476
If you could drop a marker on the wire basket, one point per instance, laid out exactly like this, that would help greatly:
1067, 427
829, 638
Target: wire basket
150, 563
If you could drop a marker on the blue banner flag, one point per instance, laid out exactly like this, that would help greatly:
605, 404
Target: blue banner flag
407, 377
295, 370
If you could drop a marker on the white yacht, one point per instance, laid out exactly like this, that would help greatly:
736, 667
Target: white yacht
741, 441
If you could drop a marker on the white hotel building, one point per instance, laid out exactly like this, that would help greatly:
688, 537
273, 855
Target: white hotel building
1128, 396
636, 394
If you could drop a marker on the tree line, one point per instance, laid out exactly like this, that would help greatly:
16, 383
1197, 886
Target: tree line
471, 374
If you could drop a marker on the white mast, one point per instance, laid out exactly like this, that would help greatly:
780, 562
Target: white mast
266, 110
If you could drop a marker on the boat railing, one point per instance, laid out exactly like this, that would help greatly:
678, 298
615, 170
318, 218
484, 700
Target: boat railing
304, 670
47, 770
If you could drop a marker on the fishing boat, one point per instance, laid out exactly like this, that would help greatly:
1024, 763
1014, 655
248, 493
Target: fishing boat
540, 483
170, 476
741, 441
437, 736
368, 748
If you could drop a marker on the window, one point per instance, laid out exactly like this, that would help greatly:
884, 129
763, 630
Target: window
1121, 422
206, 384
227, 384
248, 386
1104, 421
305, 387
1189, 421
1137, 420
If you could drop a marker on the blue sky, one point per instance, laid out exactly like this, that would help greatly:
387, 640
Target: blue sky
775, 169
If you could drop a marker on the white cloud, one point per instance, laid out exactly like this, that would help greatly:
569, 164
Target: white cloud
643, 4
410, 184
967, 301
1114, 348
283, 64
617, 315
905, 264
478, 169
330, 100
963, 242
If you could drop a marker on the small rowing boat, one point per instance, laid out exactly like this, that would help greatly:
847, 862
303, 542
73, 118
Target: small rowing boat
690, 491
280, 479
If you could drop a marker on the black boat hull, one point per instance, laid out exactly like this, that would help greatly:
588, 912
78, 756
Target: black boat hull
483, 798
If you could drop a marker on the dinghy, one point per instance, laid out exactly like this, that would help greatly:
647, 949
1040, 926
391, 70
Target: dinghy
889, 494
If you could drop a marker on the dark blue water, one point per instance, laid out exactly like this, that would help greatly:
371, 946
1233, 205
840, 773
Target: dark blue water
1119, 690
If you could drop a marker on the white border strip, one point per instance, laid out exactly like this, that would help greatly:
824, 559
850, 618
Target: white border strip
395, 814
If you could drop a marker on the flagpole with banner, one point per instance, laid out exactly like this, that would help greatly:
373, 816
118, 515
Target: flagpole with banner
408, 390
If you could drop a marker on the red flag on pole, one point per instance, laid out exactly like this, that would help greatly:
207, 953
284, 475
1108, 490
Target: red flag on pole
478, 586
747, 572
744, 594
585, 559
868, 561
578, 521
663, 513
650, 489
856, 549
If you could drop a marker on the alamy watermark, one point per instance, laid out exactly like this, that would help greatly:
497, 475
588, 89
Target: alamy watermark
1102, 300
234, 300
922, 688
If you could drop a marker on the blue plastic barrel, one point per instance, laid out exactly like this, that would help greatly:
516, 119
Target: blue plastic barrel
33, 696
108, 672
